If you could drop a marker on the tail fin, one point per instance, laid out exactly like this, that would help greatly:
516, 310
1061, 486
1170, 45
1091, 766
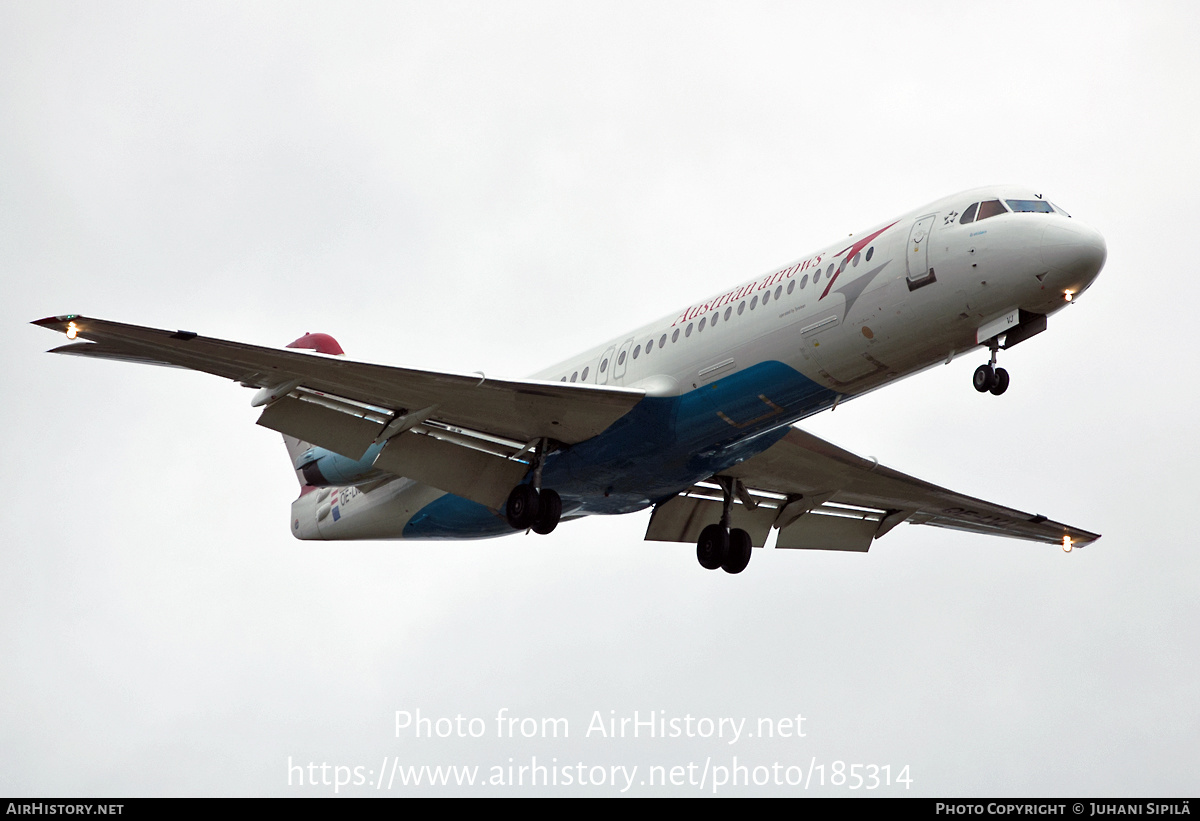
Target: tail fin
321, 343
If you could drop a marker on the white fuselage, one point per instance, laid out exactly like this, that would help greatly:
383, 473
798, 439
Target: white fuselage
981, 269
846, 319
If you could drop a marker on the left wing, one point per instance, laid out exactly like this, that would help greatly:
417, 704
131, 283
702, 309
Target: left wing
822, 497
462, 433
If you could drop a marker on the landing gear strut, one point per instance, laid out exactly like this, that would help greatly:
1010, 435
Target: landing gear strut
718, 546
989, 378
533, 507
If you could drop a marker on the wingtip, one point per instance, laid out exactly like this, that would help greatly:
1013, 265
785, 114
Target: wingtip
55, 322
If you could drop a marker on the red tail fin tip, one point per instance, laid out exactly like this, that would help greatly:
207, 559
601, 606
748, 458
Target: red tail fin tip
321, 343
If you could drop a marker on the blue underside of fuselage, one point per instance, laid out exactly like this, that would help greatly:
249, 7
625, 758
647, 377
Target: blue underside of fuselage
659, 448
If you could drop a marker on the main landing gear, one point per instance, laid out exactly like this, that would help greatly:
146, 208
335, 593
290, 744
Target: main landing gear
719, 546
990, 378
533, 507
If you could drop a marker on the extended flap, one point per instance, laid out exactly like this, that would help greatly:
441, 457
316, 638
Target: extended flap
464, 471
336, 430
683, 517
819, 531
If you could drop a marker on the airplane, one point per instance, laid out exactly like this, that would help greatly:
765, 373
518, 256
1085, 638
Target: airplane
692, 415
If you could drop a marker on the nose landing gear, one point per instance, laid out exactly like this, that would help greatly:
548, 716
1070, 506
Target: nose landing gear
989, 378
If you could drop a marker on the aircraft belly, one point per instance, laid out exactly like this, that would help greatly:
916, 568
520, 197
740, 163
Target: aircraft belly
452, 517
390, 511
669, 443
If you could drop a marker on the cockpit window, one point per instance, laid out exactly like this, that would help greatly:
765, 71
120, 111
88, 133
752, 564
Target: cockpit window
990, 208
969, 214
1039, 206
1060, 210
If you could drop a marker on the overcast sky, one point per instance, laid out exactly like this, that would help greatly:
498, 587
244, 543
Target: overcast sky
495, 186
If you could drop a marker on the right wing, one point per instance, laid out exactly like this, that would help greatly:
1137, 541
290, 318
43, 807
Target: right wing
820, 496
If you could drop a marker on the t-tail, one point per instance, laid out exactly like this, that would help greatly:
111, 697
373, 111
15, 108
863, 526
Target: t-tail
316, 466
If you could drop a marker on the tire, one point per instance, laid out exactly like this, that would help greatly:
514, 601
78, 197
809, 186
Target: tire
984, 378
712, 547
549, 511
1001, 382
522, 508
740, 548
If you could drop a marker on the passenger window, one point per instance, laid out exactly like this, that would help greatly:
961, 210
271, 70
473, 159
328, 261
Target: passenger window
675, 336
663, 340
637, 351
778, 291
969, 214
728, 311
583, 376
791, 286
703, 322
574, 376
603, 365
870, 253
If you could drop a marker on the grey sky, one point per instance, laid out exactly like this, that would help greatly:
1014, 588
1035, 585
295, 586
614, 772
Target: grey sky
492, 187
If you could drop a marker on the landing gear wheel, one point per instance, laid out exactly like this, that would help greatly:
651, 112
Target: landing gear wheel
522, 508
984, 378
712, 547
738, 555
1001, 382
549, 511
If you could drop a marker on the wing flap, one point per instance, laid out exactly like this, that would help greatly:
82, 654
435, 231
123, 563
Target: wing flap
337, 430
516, 409
478, 475
477, 468
683, 517
822, 531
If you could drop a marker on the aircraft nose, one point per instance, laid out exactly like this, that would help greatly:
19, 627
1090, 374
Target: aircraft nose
1075, 249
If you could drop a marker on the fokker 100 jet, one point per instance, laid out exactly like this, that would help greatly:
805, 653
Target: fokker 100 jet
692, 415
